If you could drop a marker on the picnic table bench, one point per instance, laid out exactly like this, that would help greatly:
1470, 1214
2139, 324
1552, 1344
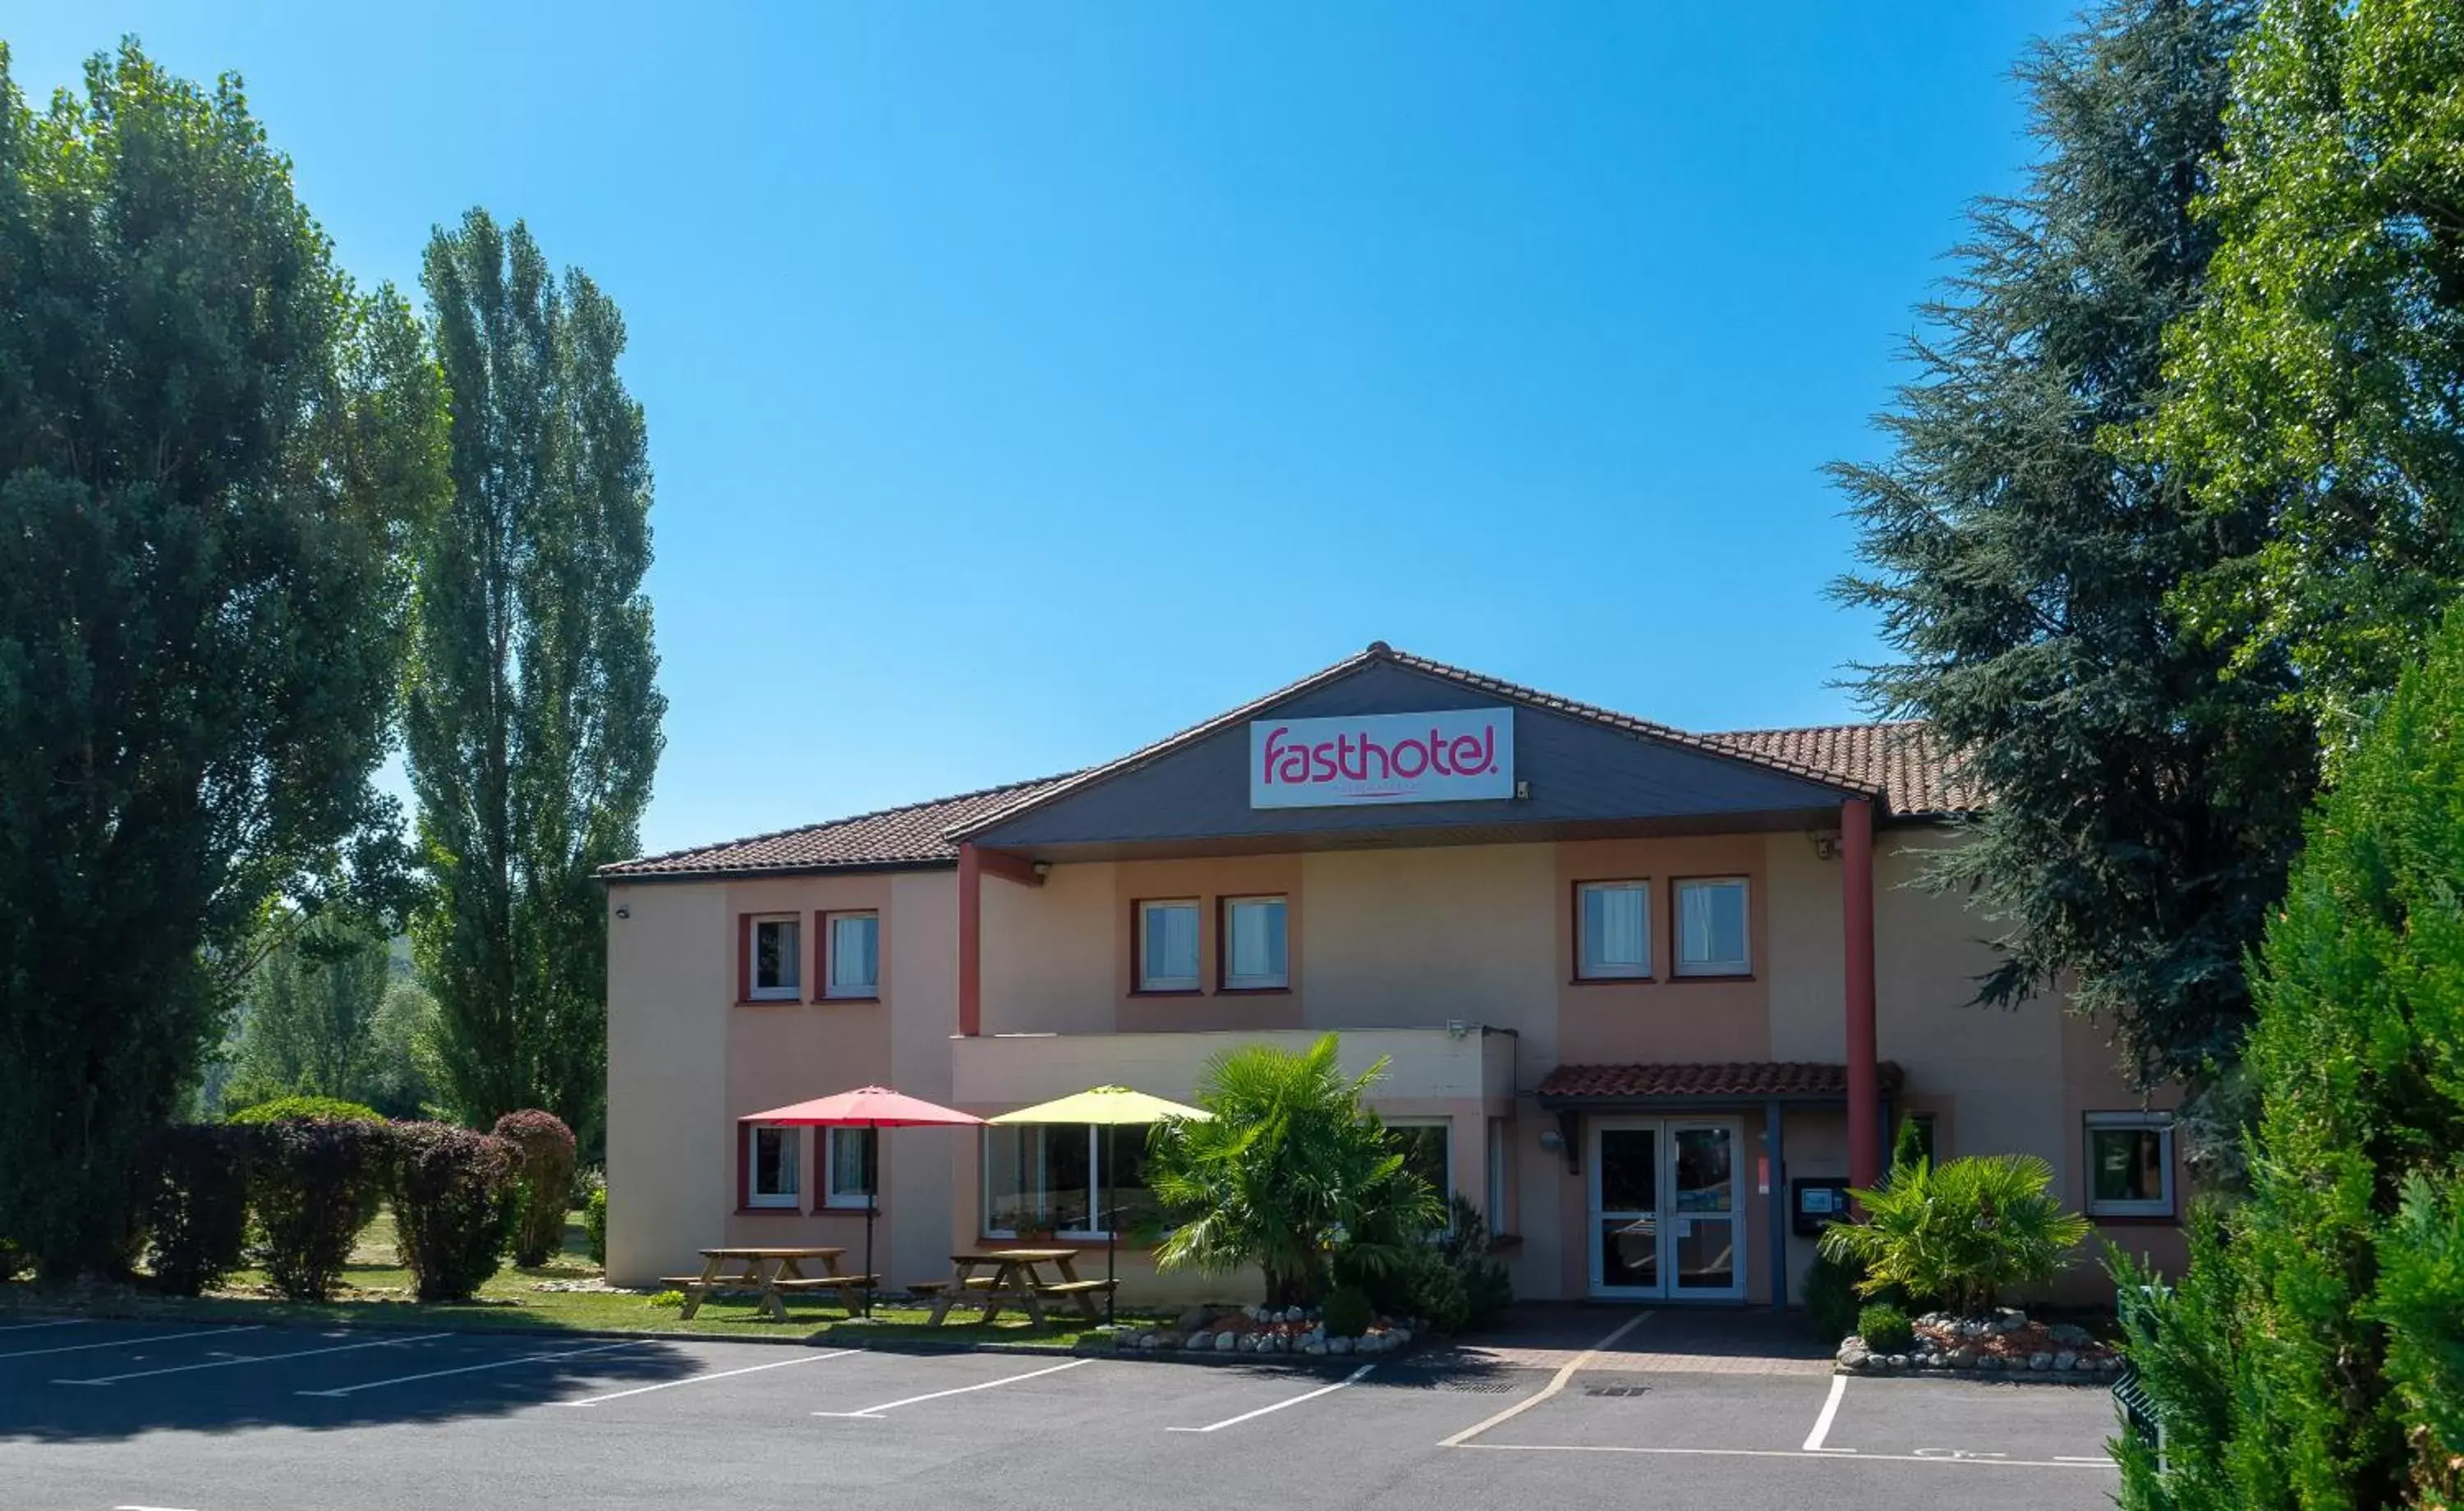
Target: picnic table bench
773, 1274
1013, 1278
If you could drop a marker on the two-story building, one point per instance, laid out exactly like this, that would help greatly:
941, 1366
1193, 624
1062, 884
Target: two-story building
1644, 996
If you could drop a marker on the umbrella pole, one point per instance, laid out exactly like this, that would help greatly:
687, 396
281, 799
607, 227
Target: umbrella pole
1112, 1222
871, 1212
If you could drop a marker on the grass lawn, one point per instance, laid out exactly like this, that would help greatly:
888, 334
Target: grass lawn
377, 1289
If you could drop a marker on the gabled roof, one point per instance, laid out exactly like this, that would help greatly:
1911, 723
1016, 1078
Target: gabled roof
1865, 771
1900, 763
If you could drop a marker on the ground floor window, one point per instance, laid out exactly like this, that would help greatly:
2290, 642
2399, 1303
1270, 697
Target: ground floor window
851, 1163
1055, 1180
772, 1157
2130, 1164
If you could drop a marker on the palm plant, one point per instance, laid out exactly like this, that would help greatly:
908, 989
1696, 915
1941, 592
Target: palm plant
1959, 1233
1291, 1172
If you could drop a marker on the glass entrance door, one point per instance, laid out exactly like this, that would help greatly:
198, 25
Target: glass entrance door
1625, 1209
1664, 1219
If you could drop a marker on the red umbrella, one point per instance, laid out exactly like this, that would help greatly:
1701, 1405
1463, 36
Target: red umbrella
866, 1107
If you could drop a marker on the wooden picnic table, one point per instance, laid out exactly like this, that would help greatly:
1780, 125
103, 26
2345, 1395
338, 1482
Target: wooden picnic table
774, 1274
1014, 1277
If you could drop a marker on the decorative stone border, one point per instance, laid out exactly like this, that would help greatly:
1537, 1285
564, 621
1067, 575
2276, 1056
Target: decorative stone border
1964, 1348
1252, 1331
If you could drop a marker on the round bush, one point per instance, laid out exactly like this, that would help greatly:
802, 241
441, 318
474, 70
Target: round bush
313, 1185
1885, 1328
546, 1155
192, 1201
1347, 1312
453, 1206
294, 1110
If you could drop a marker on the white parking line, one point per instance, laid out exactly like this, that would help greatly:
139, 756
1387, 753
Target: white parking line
1786, 1452
131, 1343
469, 1369
1822, 1424
65, 1321
1007, 1379
1557, 1383
1234, 1421
254, 1358
722, 1375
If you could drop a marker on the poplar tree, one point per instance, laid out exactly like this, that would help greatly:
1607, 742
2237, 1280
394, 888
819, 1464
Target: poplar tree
2142, 805
533, 722
213, 452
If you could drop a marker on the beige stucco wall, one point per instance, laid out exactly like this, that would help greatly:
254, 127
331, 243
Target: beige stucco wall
1381, 941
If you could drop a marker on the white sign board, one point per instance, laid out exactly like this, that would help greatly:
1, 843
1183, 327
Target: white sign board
1457, 755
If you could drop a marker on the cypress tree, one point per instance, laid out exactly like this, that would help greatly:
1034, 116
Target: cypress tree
2144, 806
2313, 1356
533, 723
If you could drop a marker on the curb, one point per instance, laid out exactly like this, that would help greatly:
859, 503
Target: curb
2077, 1378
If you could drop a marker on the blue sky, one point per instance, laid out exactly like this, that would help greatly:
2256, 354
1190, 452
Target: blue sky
1026, 381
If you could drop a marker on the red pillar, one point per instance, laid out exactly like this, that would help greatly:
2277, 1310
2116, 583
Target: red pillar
971, 941
1857, 908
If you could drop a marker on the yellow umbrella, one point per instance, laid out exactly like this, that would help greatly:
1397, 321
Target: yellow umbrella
1107, 1107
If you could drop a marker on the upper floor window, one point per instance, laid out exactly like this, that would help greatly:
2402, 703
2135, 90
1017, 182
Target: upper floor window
2130, 1164
1612, 930
853, 943
777, 959
848, 1167
1711, 928
772, 1157
1168, 947
1255, 954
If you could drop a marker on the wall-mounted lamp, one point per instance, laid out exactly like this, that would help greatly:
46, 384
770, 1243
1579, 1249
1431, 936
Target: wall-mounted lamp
1826, 844
1043, 868
624, 912
1551, 1141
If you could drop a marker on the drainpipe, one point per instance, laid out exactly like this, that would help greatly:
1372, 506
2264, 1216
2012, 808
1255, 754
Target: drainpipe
1857, 908
971, 941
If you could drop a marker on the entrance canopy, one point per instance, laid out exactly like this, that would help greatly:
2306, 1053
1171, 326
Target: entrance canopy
1657, 1086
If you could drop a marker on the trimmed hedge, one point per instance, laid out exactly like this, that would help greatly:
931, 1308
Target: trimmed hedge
1885, 1328
544, 1151
313, 1185
192, 1199
294, 1109
454, 1204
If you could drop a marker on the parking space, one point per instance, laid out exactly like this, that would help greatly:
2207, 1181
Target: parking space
273, 1420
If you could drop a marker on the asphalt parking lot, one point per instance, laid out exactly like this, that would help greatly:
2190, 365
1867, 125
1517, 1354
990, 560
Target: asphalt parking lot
155, 1417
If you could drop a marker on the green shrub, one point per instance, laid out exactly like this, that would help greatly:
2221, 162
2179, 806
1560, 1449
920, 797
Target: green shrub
14, 1261
1958, 1233
1885, 1328
1830, 1295
2313, 1353
312, 1187
544, 1154
453, 1206
671, 1299
295, 1109
1349, 1312
1488, 1289
594, 1222
192, 1201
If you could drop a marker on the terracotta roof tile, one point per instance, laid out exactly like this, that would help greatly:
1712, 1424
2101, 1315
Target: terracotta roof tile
1903, 761
914, 835
1747, 1078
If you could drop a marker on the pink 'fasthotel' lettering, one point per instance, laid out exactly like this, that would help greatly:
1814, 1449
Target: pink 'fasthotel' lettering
1358, 758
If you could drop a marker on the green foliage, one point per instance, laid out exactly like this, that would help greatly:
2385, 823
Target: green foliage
302, 1109
331, 1013
1959, 1233
1347, 1312
453, 1206
532, 724
1831, 1296
212, 450
2145, 806
545, 1161
594, 1222
1885, 1328
1292, 1174
312, 1188
1488, 1289
14, 1261
2316, 387
2313, 1354
192, 1201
